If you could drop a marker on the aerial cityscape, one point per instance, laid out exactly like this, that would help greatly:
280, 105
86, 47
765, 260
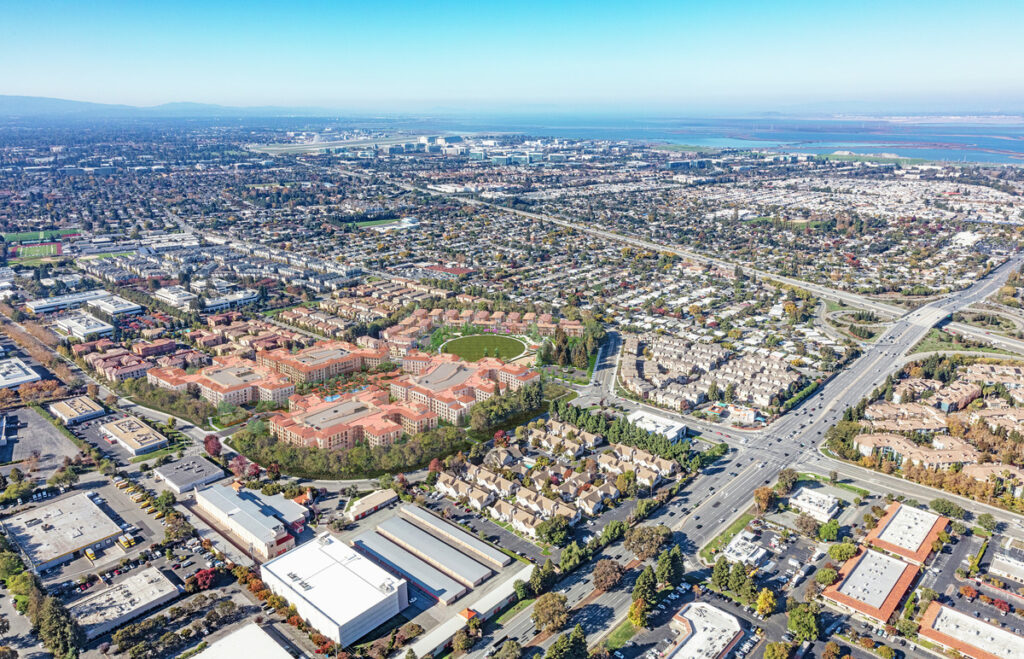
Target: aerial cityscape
345, 331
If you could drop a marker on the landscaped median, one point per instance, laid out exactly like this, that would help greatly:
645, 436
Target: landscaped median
708, 551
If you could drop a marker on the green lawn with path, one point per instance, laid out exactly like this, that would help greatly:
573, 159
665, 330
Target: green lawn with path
712, 548
477, 346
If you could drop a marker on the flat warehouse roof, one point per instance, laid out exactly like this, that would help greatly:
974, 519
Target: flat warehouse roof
872, 579
250, 641
474, 544
188, 471
136, 594
60, 528
336, 580
447, 558
969, 635
908, 527
424, 576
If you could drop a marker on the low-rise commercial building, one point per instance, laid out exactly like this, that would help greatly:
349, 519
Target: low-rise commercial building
69, 301
76, 410
341, 593
908, 532
432, 582
176, 296
114, 306
14, 373
189, 474
133, 435
83, 326
969, 636
822, 507
108, 609
671, 430
371, 503
1007, 559
61, 531
250, 641
705, 632
872, 584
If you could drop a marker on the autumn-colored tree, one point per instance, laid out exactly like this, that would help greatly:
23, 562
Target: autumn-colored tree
763, 498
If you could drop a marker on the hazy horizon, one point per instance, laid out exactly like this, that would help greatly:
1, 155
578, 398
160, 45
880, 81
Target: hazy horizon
659, 57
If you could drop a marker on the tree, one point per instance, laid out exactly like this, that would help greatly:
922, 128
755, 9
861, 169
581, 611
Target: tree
987, 522
777, 650
807, 524
554, 530
638, 611
947, 508
550, 612
737, 576
5, 625
968, 591
569, 646
829, 531
177, 528
212, 445
803, 622
826, 576
645, 541
462, 642
7, 652
763, 498
666, 569
607, 574
238, 465
831, 651
842, 551
542, 577
885, 652
510, 650
787, 479
645, 587
765, 602
58, 630
720, 573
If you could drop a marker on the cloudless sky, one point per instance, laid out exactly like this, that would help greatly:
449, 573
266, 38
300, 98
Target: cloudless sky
378, 55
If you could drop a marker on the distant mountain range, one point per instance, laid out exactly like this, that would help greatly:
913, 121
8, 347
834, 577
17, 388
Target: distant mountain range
41, 106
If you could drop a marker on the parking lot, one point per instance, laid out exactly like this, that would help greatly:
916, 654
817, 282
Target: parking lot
31, 437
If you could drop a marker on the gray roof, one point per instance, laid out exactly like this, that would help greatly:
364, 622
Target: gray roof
476, 547
248, 514
188, 472
425, 577
449, 560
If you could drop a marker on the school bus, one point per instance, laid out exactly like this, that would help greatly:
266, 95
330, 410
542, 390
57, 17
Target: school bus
90, 554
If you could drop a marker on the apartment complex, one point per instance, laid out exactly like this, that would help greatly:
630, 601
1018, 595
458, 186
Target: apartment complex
449, 387
230, 379
321, 361
344, 421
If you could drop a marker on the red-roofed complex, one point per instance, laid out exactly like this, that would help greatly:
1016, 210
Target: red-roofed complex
449, 387
873, 584
321, 361
969, 636
230, 379
907, 532
364, 416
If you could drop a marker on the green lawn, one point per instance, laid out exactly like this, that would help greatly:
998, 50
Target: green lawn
859, 491
49, 234
472, 348
514, 610
620, 636
936, 340
716, 545
376, 223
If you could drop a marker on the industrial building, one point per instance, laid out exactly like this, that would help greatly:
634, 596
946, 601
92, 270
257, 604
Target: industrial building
14, 373
82, 326
189, 474
69, 301
969, 636
907, 531
114, 306
341, 593
107, 609
61, 531
250, 641
468, 544
432, 550
434, 583
872, 584
133, 435
76, 410
371, 503
705, 632
260, 525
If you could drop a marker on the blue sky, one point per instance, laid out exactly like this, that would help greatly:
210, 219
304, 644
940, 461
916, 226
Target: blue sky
399, 56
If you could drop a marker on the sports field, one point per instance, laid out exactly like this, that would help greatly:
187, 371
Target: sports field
48, 234
33, 251
472, 348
